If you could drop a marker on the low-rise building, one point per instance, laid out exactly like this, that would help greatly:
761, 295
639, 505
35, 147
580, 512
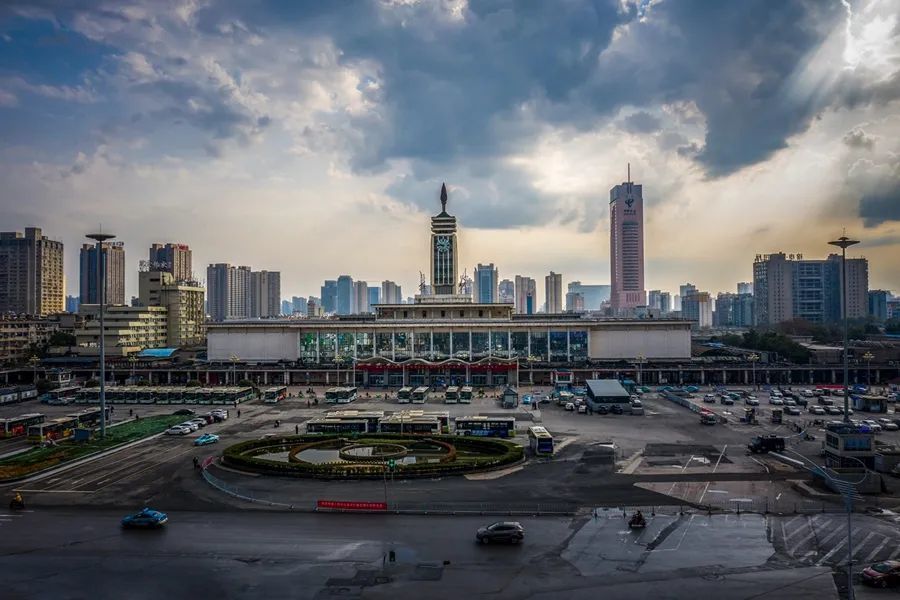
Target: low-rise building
185, 317
19, 333
126, 329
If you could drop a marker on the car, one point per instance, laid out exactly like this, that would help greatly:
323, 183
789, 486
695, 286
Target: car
637, 408
178, 430
570, 406
526, 399
183, 412
790, 402
616, 409
883, 574
146, 518
727, 401
888, 425
582, 409
872, 424
221, 413
206, 439
601, 410
200, 422
776, 401
816, 410
807, 393
190, 425
792, 410
709, 398
751, 401
510, 532
833, 410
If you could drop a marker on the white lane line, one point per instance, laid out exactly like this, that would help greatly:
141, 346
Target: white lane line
786, 524
802, 542
834, 533
832, 552
895, 553
878, 548
718, 460
129, 475
862, 544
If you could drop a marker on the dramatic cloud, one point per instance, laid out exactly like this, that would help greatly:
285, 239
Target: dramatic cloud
857, 138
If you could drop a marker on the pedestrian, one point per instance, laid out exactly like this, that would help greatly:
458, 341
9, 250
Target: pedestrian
307, 404
296, 430
239, 413
130, 412
196, 463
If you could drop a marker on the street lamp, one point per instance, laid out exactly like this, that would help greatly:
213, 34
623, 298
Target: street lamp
234, 361
753, 358
34, 361
843, 243
639, 359
101, 300
868, 356
132, 359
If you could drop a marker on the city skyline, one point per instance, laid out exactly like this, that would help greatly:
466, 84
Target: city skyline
135, 129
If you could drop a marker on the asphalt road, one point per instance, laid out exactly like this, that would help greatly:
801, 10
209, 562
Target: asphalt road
78, 553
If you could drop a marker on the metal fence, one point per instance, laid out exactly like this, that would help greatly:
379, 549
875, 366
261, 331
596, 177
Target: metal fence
765, 505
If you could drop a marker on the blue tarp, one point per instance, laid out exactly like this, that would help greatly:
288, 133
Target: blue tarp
157, 353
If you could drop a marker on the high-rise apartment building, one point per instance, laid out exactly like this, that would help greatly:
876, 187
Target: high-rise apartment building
31, 273
626, 241
744, 288
72, 304
654, 299
183, 300
665, 302
878, 304
265, 294
391, 293
314, 307
506, 292
553, 296
526, 295
344, 304
574, 302
329, 296
298, 305
228, 289
287, 308
360, 298
686, 290
594, 294
444, 251
172, 258
698, 307
486, 284
114, 273
790, 287
374, 297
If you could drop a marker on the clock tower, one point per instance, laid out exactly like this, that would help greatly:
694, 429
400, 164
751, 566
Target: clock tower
444, 258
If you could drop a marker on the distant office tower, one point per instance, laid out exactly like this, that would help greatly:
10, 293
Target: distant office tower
686, 290
743, 310
287, 308
486, 282
298, 305
506, 292
553, 296
360, 298
391, 293
626, 240
526, 295
878, 304
265, 294
172, 258
665, 302
594, 294
724, 313
72, 304
653, 299
228, 292
114, 261
344, 304
31, 273
574, 302
444, 255
676, 303
329, 296
744, 288
374, 297
786, 287
314, 307
697, 307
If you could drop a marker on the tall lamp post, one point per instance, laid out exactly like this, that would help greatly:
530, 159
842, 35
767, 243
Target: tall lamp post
34, 361
843, 243
868, 356
101, 300
234, 361
639, 359
753, 358
132, 359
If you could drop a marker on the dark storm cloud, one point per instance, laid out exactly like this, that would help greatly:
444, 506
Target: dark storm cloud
882, 205
641, 122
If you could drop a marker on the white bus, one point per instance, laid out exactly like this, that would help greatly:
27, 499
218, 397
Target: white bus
404, 394
274, 394
452, 395
465, 395
541, 441
419, 395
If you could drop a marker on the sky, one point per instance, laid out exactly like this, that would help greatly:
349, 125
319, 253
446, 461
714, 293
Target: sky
312, 138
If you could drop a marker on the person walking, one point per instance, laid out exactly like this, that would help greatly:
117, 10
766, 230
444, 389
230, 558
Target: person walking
296, 430
239, 413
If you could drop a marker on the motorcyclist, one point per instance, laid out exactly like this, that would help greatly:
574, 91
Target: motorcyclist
17, 501
637, 518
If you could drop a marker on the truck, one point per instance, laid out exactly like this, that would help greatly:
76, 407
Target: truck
776, 416
762, 444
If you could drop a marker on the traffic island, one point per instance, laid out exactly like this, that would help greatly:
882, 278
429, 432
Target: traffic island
370, 456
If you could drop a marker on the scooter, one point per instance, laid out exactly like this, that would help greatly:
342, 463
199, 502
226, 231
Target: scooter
637, 523
17, 503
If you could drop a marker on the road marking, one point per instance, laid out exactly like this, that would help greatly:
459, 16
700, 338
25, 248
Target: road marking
57, 491
785, 524
824, 541
862, 544
802, 542
895, 553
832, 552
878, 548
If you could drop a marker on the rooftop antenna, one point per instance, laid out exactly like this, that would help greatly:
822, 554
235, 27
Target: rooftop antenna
421, 283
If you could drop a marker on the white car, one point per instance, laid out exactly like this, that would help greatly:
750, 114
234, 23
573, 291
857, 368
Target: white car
178, 430
873, 424
776, 401
751, 401
570, 406
709, 398
190, 425
807, 393
199, 422
816, 410
582, 408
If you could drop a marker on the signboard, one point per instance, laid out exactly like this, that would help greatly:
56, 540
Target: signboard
345, 505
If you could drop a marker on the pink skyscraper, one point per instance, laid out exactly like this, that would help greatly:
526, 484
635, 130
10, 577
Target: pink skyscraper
626, 246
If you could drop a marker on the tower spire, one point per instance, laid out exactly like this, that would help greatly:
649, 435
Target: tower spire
443, 197
629, 172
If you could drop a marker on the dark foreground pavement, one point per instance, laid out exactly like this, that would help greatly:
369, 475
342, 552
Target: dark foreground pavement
81, 553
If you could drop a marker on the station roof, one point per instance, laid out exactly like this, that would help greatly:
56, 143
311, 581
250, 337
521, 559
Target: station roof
606, 388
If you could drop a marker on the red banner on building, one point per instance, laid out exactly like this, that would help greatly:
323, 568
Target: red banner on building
344, 505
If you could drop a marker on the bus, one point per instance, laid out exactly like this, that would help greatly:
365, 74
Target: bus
57, 429
347, 395
16, 426
63, 395
541, 441
486, 426
12, 395
274, 394
326, 425
404, 394
416, 424
452, 395
370, 416
465, 394
419, 395
89, 417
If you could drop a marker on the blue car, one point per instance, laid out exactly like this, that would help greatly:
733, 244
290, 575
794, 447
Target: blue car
206, 438
146, 518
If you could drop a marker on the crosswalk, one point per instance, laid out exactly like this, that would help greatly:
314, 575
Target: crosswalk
821, 539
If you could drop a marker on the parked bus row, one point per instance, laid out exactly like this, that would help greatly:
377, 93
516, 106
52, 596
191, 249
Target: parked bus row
136, 394
414, 422
340, 395
63, 395
38, 429
21, 393
419, 395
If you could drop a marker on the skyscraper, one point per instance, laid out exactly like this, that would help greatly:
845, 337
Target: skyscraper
506, 292
313, 307
665, 302
185, 318
374, 297
697, 306
72, 304
594, 294
486, 281
391, 293
114, 265
444, 255
172, 258
344, 305
574, 302
626, 240
360, 298
526, 295
265, 294
329, 296
878, 304
31, 273
228, 291
553, 297
298, 305
287, 308
744, 288
686, 290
